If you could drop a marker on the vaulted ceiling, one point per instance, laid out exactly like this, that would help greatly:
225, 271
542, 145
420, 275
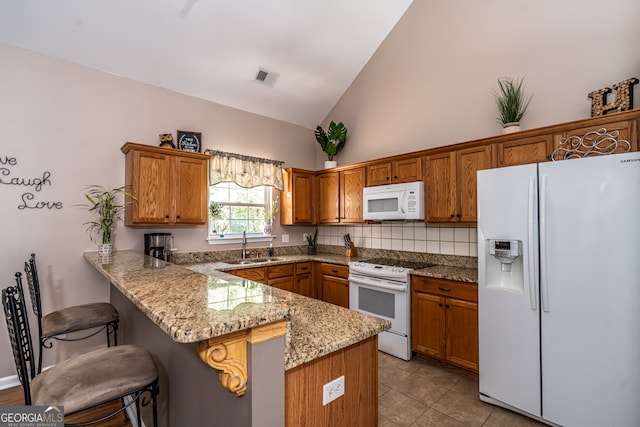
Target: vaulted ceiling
214, 49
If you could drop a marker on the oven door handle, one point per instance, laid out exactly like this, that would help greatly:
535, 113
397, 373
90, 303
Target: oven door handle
376, 283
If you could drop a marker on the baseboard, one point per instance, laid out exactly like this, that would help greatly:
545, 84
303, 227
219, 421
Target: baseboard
9, 382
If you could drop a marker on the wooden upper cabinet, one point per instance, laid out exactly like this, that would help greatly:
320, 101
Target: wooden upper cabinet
170, 186
191, 190
524, 150
468, 162
352, 183
395, 171
329, 197
627, 130
450, 184
440, 187
296, 201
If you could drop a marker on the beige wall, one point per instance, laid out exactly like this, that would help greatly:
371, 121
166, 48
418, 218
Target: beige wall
71, 121
430, 83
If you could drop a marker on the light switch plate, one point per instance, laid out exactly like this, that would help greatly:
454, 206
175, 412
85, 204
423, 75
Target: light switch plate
285, 238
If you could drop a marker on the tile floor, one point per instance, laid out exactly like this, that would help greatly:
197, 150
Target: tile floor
423, 392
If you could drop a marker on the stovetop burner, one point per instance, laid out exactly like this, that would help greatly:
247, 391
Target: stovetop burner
396, 263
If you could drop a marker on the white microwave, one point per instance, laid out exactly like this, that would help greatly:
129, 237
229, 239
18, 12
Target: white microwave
394, 202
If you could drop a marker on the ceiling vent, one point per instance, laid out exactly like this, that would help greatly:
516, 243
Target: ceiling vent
266, 78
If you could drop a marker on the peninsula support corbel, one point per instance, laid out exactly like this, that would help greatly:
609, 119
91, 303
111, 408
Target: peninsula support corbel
228, 353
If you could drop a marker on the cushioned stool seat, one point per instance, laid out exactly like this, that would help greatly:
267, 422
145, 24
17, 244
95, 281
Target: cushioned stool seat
97, 376
78, 317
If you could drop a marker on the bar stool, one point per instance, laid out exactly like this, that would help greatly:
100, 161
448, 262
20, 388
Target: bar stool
85, 381
77, 318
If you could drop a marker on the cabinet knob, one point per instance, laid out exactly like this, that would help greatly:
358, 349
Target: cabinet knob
166, 216
334, 271
178, 216
395, 177
451, 216
387, 178
444, 289
446, 306
458, 215
440, 305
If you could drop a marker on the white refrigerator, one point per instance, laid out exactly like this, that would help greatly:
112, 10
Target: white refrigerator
559, 290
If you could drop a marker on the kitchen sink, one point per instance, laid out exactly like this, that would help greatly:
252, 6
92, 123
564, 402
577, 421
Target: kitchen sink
250, 261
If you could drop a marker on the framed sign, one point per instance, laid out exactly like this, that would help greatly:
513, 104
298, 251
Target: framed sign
190, 141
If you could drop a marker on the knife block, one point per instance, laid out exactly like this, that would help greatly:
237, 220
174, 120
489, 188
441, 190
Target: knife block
351, 251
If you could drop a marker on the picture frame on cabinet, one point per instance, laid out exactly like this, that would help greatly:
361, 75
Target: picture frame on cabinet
190, 141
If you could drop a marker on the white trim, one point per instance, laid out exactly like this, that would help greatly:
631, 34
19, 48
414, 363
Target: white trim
9, 382
234, 238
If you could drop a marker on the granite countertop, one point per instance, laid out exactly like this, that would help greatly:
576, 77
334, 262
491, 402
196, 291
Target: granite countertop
191, 306
461, 274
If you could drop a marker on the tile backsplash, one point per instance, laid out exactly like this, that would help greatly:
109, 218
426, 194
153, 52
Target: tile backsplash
406, 236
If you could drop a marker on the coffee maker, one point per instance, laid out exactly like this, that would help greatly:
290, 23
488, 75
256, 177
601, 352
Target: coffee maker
158, 245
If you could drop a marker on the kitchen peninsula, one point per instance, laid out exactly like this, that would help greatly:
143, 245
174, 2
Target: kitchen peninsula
234, 352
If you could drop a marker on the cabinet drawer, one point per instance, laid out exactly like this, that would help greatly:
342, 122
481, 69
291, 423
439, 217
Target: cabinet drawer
334, 270
445, 288
303, 267
255, 274
280, 271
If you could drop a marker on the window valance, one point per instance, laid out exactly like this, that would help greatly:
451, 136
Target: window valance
246, 171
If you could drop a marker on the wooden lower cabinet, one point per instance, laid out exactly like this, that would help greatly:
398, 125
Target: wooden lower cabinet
281, 276
292, 277
445, 320
359, 405
303, 282
334, 284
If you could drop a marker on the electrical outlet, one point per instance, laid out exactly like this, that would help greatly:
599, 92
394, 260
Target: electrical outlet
332, 390
285, 238
304, 237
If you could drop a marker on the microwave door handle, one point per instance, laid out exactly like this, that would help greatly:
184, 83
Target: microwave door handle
373, 283
403, 202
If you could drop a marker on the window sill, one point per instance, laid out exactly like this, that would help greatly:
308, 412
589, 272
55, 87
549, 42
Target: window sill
234, 239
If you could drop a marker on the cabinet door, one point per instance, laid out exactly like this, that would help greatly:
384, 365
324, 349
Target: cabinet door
440, 188
302, 199
303, 285
335, 290
190, 191
407, 170
524, 151
427, 325
149, 176
379, 174
462, 333
284, 283
328, 198
469, 161
351, 186
627, 130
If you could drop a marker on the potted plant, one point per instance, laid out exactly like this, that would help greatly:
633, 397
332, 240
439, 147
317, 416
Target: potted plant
331, 141
311, 241
106, 205
269, 214
512, 103
215, 213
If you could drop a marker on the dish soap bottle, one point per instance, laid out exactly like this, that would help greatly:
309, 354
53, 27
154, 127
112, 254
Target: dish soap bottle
270, 249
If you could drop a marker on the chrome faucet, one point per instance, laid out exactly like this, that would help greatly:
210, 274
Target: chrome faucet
244, 244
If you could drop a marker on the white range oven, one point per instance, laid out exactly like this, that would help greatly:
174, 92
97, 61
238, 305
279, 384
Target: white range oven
382, 288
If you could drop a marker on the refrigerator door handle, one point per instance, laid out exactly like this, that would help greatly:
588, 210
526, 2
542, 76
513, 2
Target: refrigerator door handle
531, 246
544, 290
